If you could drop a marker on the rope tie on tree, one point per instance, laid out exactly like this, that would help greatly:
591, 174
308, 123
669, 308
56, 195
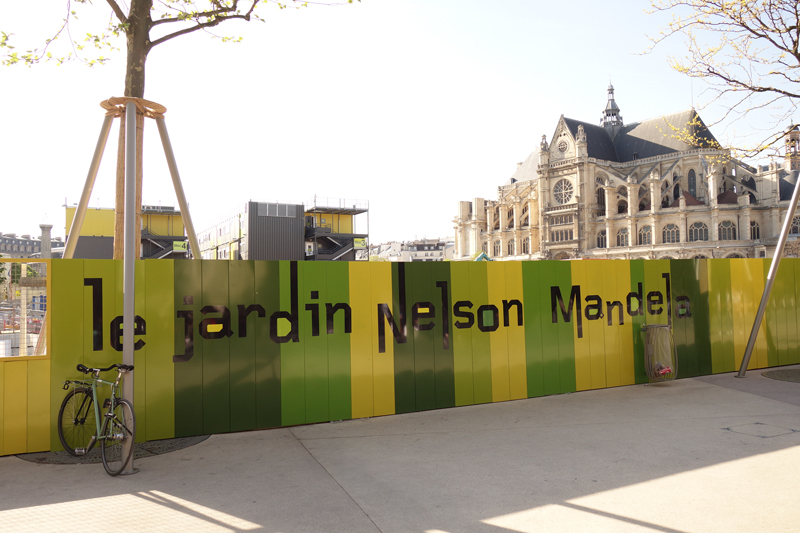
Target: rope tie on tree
115, 107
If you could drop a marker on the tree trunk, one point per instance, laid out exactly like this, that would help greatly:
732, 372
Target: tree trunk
138, 42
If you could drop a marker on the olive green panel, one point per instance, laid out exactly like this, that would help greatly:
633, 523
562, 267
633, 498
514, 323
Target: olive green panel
293, 389
3, 392
188, 297
462, 337
481, 347
160, 370
15, 406
566, 341
688, 364
639, 320
795, 263
110, 272
67, 333
792, 336
780, 292
268, 353
339, 390
715, 296
139, 375
38, 406
699, 324
315, 343
533, 295
770, 321
444, 364
216, 352
241, 291
420, 275
551, 368
404, 371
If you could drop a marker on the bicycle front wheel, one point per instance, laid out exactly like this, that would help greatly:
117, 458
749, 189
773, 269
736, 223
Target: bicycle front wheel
76, 421
119, 432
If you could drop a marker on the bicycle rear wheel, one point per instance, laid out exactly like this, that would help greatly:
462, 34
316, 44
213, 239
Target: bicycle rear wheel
119, 432
76, 422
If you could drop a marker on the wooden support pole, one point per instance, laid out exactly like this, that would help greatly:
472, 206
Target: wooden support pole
119, 201
139, 173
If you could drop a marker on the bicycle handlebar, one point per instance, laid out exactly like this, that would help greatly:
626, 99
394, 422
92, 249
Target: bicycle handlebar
86, 370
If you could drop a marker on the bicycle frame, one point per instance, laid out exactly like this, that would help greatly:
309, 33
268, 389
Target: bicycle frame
93, 383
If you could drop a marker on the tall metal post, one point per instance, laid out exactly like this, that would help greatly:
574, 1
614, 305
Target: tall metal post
176, 182
80, 212
773, 271
129, 262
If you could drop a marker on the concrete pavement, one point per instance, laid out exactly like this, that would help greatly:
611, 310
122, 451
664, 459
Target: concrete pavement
706, 454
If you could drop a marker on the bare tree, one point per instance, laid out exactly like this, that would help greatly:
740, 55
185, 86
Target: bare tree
747, 53
147, 24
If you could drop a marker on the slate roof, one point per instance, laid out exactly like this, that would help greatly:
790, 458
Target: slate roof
526, 171
648, 138
690, 200
728, 197
786, 186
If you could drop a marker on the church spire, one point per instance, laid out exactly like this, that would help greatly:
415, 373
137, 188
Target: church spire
611, 119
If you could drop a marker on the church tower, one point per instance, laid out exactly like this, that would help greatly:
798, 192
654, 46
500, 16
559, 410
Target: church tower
611, 120
792, 155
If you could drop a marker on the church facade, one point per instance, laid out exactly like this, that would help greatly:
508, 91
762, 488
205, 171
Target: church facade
657, 189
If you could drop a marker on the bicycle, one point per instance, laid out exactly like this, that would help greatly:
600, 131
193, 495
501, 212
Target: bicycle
79, 418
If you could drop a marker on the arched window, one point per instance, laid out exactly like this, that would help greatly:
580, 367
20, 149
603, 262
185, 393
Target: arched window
496, 251
485, 247
561, 235
671, 234
755, 231
601, 239
622, 237
795, 225
734, 256
645, 235
601, 197
727, 231
692, 183
526, 245
676, 192
622, 207
510, 247
699, 256
665, 202
698, 232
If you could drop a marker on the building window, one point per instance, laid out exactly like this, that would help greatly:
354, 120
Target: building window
692, 183
645, 236
795, 225
485, 247
676, 192
563, 191
735, 256
561, 235
755, 231
601, 239
698, 232
727, 231
496, 248
622, 237
526, 245
510, 247
670, 234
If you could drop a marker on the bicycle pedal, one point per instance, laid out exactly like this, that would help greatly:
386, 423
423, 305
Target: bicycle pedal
80, 451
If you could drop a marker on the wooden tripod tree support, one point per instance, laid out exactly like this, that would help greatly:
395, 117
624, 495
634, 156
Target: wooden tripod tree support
115, 107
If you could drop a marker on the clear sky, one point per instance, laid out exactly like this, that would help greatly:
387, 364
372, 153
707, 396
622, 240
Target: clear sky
412, 105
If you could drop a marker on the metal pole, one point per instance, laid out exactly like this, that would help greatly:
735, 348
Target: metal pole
129, 264
773, 271
80, 213
176, 182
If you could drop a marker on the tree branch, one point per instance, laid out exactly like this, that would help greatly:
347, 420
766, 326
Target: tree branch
117, 11
209, 24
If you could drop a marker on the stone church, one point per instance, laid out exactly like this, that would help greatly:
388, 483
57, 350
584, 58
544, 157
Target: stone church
658, 189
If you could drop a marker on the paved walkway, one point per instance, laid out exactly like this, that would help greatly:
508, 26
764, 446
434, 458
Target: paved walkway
706, 454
